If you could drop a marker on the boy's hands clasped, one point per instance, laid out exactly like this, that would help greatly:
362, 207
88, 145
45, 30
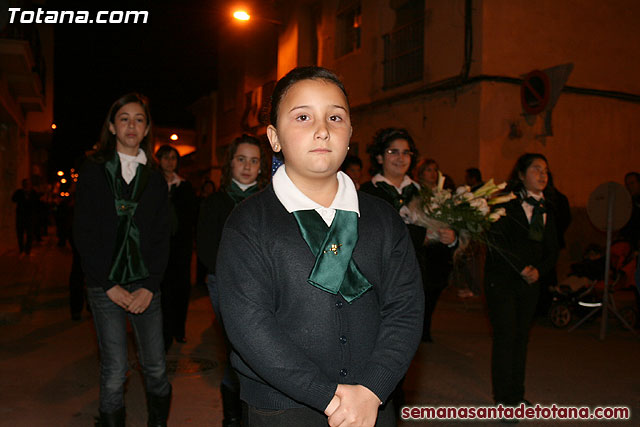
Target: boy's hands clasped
353, 405
135, 302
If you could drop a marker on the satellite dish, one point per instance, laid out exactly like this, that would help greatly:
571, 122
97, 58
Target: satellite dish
598, 206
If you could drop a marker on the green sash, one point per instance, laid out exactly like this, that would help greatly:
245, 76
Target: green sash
127, 263
334, 270
399, 199
236, 193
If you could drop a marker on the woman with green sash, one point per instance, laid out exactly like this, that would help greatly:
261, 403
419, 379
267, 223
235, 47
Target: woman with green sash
243, 174
121, 229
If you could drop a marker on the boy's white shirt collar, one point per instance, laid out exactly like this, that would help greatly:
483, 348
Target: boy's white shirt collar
405, 182
129, 164
293, 199
242, 186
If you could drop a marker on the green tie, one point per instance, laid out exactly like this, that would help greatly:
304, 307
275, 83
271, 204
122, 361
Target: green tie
334, 270
399, 199
536, 227
127, 264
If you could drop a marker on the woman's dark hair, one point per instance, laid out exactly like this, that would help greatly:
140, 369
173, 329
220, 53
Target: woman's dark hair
165, 150
474, 173
296, 75
106, 147
263, 175
522, 164
381, 142
635, 175
350, 160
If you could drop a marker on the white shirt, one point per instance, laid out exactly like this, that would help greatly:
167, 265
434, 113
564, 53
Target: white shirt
528, 209
294, 200
129, 164
175, 179
242, 186
405, 182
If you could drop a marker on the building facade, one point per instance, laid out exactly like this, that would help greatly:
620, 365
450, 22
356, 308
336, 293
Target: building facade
26, 113
452, 72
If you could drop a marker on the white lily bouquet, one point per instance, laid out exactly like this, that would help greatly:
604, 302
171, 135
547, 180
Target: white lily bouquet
468, 213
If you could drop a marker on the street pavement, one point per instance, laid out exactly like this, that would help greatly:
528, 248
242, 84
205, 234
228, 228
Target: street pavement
49, 363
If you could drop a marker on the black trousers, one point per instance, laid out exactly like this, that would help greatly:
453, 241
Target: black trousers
176, 290
24, 231
511, 310
307, 417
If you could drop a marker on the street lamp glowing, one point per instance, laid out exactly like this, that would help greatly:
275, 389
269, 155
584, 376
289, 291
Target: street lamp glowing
241, 15
173, 137
53, 126
63, 181
60, 173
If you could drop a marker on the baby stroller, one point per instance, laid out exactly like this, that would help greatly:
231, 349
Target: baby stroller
582, 290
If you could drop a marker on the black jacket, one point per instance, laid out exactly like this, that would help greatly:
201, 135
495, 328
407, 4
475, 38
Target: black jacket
96, 222
214, 212
183, 209
510, 250
294, 343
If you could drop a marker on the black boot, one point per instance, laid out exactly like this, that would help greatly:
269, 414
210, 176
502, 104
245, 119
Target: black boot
231, 407
112, 419
158, 408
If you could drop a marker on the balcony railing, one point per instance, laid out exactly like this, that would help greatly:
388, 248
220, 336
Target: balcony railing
404, 54
31, 35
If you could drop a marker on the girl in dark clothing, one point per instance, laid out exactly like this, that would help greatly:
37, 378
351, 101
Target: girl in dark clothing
176, 284
242, 176
319, 288
121, 229
523, 247
393, 155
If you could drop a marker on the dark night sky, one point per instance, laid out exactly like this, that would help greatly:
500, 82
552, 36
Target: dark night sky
171, 59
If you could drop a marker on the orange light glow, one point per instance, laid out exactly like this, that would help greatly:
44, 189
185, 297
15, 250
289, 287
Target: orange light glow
63, 181
60, 173
53, 126
173, 137
241, 15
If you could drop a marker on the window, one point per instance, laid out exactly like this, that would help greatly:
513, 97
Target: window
404, 46
348, 28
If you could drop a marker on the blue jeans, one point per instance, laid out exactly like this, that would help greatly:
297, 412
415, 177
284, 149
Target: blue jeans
111, 328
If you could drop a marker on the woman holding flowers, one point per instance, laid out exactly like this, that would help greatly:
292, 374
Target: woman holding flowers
523, 246
393, 156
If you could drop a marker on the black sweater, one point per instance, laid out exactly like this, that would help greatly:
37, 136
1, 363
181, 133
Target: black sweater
510, 250
294, 343
96, 222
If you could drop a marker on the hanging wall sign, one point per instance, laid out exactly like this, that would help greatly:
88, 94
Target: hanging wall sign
535, 92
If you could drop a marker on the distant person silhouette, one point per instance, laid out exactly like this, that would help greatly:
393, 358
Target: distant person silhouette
26, 200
